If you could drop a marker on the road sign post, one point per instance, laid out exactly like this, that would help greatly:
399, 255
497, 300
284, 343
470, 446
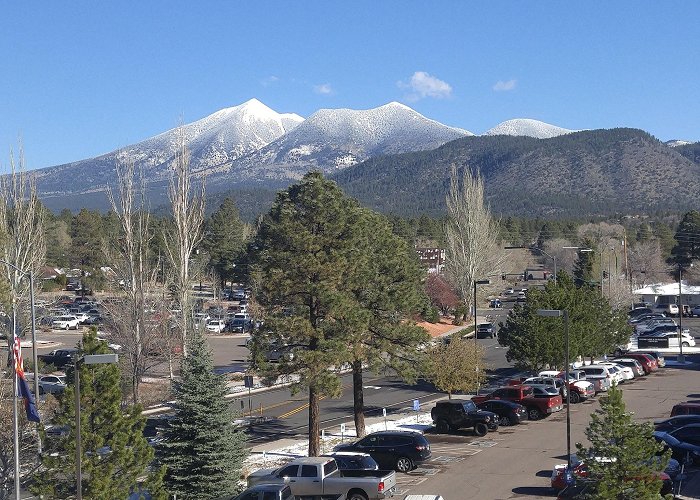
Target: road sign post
384, 415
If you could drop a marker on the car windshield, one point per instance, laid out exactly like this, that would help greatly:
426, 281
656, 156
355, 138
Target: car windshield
469, 406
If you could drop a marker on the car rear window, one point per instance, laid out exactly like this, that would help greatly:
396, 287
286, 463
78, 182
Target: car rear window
329, 468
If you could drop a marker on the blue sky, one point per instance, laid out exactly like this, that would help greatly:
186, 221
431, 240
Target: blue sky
79, 79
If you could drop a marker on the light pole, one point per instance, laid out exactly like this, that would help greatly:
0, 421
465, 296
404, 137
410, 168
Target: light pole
681, 358
88, 359
563, 313
477, 282
554, 258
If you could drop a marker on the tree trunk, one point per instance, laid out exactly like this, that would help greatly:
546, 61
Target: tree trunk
314, 422
358, 398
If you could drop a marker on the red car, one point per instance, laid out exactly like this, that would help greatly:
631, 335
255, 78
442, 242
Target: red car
686, 408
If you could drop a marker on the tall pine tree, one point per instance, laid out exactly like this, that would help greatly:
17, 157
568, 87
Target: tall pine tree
202, 450
223, 239
115, 454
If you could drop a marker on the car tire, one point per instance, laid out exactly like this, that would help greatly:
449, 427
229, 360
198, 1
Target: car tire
67, 326
503, 421
481, 429
404, 464
574, 397
442, 426
356, 495
534, 413
685, 344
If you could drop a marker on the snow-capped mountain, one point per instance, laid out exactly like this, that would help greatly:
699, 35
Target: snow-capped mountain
251, 144
219, 138
529, 128
333, 139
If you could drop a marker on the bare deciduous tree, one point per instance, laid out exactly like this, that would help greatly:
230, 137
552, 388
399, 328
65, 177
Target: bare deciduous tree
646, 263
186, 233
127, 253
473, 251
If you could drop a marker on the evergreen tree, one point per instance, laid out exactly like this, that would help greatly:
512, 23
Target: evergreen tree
223, 239
687, 248
303, 260
535, 342
115, 454
387, 284
202, 450
583, 267
618, 458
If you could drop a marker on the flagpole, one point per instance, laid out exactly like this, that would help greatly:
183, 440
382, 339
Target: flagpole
15, 416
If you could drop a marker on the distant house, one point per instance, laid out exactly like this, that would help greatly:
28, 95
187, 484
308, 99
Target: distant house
432, 258
50, 273
660, 294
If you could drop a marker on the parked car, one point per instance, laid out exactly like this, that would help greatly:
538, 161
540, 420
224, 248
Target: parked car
65, 323
667, 309
686, 408
216, 325
660, 360
240, 323
579, 388
620, 373
597, 372
632, 364
679, 450
509, 413
320, 477
399, 450
643, 317
52, 384
538, 405
265, 492
59, 357
348, 460
639, 311
554, 382
454, 414
484, 330
495, 304
670, 424
648, 362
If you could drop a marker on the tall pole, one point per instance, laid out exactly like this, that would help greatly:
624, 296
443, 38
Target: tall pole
35, 357
681, 358
15, 415
476, 358
555, 270
78, 444
568, 390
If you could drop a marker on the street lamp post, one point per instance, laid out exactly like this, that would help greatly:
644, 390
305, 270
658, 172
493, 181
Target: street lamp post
88, 359
681, 358
477, 282
565, 315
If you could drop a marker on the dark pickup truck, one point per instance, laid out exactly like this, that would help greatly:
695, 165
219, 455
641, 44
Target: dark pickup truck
537, 406
455, 414
59, 358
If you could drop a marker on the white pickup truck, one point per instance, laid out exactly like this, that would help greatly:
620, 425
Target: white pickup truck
319, 477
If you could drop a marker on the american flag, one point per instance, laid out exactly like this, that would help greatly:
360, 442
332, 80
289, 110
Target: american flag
22, 385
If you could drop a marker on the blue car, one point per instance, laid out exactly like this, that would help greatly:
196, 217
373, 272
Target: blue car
680, 450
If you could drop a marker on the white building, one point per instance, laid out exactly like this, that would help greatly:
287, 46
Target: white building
660, 294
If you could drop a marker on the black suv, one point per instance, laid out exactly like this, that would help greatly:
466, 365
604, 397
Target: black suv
399, 450
455, 414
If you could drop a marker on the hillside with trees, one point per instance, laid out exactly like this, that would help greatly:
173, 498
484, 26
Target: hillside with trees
593, 172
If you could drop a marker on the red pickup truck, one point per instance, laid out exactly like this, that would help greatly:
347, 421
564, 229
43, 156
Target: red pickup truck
538, 406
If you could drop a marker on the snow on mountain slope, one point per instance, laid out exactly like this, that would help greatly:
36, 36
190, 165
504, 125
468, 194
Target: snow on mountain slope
333, 139
219, 138
529, 128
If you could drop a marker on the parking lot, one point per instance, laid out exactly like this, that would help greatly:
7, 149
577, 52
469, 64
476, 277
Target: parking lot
516, 462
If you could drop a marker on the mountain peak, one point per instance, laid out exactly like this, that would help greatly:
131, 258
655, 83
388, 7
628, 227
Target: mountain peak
529, 128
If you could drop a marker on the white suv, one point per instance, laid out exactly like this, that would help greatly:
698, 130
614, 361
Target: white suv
65, 323
667, 309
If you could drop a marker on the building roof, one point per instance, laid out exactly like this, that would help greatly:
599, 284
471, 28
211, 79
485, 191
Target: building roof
668, 289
